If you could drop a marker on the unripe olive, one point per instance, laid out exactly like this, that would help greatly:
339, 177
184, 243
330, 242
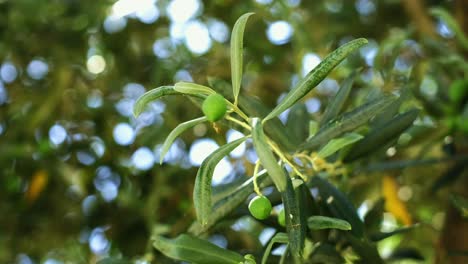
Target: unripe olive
282, 218
214, 107
260, 207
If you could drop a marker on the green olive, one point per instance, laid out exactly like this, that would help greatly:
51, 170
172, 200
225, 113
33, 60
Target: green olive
214, 107
282, 218
260, 207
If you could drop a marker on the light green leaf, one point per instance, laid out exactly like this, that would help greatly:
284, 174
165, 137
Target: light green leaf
347, 122
193, 88
176, 132
150, 96
314, 77
318, 222
336, 105
266, 156
313, 128
195, 250
202, 188
277, 238
237, 39
338, 143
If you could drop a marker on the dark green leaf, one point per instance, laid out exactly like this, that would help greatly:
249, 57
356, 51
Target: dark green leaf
336, 105
202, 188
295, 222
383, 235
114, 260
195, 250
460, 203
347, 122
298, 122
237, 47
373, 218
326, 253
318, 222
380, 136
314, 77
339, 205
405, 253
366, 251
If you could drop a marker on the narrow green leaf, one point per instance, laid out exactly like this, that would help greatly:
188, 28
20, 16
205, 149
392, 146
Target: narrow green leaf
339, 204
266, 156
297, 123
277, 238
314, 77
336, 105
193, 88
318, 222
313, 128
347, 122
381, 135
237, 47
202, 188
452, 24
195, 250
366, 250
383, 235
176, 132
225, 205
338, 143
295, 220
150, 96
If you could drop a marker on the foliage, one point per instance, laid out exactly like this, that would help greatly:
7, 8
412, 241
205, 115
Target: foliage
363, 155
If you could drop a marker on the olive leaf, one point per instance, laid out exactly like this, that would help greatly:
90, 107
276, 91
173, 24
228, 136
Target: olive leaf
193, 88
338, 143
266, 156
150, 96
336, 105
381, 135
339, 204
176, 132
195, 250
277, 238
237, 39
295, 220
318, 222
348, 122
202, 188
314, 77
451, 22
383, 235
226, 204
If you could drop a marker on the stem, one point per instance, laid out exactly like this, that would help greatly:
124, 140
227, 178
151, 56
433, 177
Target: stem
238, 111
255, 184
286, 160
240, 123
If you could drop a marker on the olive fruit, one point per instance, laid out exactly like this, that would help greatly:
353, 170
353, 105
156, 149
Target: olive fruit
282, 218
260, 207
214, 107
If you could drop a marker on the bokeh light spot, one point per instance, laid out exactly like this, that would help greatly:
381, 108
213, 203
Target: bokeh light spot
279, 32
124, 134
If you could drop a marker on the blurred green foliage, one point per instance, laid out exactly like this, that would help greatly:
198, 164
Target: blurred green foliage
76, 190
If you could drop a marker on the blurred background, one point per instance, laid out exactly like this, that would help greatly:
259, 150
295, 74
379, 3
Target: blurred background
80, 178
